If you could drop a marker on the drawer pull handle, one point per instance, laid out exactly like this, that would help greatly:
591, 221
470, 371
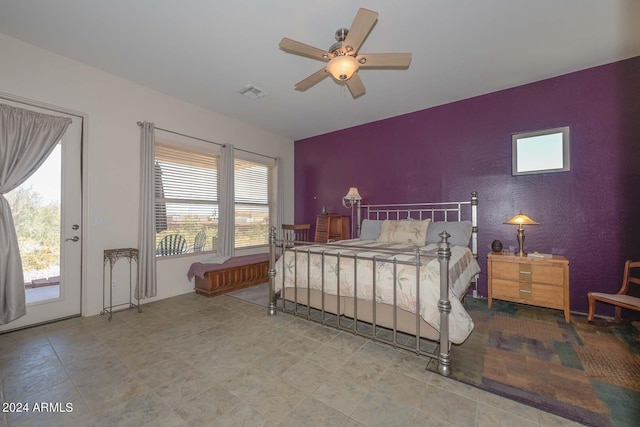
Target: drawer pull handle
525, 291
525, 272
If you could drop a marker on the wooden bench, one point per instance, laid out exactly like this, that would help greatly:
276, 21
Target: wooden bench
236, 273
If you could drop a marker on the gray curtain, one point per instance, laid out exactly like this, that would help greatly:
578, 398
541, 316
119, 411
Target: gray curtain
279, 196
226, 220
147, 220
26, 140
160, 208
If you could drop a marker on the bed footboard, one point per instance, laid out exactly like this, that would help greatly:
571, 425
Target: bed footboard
339, 306
376, 314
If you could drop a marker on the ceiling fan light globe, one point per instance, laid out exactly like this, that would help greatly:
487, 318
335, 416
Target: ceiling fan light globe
342, 67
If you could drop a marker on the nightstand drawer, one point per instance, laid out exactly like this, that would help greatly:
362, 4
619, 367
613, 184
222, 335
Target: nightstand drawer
548, 295
511, 290
551, 296
543, 273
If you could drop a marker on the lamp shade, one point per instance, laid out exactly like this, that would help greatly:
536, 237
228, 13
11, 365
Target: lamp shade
521, 219
342, 67
352, 194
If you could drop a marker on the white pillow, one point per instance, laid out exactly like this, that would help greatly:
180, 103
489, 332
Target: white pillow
460, 232
371, 229
412, 232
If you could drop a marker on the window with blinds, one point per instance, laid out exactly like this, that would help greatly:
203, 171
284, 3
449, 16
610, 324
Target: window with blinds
186, 200
252, 202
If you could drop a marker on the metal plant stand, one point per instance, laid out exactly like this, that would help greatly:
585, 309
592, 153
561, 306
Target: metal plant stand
112, 256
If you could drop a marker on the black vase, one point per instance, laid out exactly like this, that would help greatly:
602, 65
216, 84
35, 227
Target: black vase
496, 246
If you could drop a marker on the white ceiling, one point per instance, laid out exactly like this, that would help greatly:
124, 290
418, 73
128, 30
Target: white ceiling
204, 51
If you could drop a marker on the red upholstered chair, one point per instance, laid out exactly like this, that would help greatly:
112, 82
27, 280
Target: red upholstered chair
621, 299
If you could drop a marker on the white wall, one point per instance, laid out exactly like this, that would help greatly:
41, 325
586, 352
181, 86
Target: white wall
114, 106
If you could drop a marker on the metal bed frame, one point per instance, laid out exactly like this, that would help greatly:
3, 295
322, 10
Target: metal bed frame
441, 211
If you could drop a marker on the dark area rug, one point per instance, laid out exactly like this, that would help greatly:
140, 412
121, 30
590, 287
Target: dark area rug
589, 373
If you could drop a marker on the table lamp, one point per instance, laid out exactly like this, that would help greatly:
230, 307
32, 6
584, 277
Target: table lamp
520, 220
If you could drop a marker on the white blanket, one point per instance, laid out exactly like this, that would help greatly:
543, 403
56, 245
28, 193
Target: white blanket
462, 268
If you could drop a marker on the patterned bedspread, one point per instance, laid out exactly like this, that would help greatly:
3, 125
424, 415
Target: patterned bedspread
462, 268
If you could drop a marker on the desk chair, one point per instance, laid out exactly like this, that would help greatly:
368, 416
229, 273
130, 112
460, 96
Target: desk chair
295, 233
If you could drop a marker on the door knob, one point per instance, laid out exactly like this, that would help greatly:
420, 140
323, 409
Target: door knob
73, 239
75, 226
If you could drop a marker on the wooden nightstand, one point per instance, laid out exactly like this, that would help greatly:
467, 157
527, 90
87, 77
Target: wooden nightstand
543, 282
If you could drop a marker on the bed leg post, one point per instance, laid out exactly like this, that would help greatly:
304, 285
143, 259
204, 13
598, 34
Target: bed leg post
444, 305
474, 236
272, 270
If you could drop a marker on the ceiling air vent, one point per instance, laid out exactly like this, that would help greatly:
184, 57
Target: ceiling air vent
252, 92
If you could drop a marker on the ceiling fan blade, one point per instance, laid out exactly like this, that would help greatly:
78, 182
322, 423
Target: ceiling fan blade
313, 79
384, 60
297, 48
362, 24
355, 85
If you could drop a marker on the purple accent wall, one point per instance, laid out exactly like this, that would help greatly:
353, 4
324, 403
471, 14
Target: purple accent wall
590, 214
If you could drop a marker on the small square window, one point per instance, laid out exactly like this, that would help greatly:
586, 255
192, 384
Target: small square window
543, 151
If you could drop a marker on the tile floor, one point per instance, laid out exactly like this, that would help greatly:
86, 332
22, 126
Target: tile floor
193, 361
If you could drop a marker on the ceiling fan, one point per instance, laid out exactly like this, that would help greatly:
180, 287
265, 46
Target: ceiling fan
342, 58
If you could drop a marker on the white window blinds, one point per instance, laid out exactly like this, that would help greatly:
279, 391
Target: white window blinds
252, 202
186, 195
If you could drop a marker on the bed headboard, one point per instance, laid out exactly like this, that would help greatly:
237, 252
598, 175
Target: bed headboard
436, 211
